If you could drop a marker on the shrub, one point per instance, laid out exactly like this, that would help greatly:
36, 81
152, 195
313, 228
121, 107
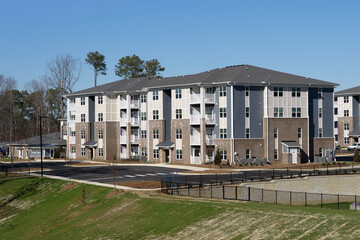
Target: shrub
356, 155
217, 159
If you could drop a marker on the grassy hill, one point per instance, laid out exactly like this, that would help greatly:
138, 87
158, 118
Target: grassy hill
35, 208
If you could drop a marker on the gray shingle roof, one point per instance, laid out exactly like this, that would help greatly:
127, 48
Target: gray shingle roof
349, 91
238, 75
47, 139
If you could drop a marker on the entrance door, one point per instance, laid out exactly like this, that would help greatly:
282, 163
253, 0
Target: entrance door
92, 153
167, 159
293, 152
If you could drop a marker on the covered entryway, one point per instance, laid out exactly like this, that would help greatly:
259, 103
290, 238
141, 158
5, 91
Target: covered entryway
166, 146
291, 150
91, 145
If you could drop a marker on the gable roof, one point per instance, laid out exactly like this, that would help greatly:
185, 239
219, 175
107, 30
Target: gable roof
50, 138
349, 91
238, 75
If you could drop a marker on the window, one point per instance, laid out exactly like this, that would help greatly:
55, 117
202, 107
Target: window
72, 100
156, 153
178, 154
320, 132
346, 126
143, 98
296, 112
346, 99
100, 117
296, 92
336, 124
320, 92
336, 111
72, 116
73, 149
178, 93
248, 153
143, 152
82, 118
155, 95
336, 137
64, 133
101, 134
278, 91
278, 112
178, 133
247, 133
335, 99
247, 91
223, 154
155, 114
299, 132
320, 112
222, 91
346, 140
276, 154
275, 132
178, 113
346, 113
82, 101
247, 112
223, 133
101, 152
82, 134
143, 116
223, 112
156, 134
100, 99
320, 152
143, 134
72, 133
82, 151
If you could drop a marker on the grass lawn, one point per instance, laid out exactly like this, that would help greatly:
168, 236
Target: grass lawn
35, 208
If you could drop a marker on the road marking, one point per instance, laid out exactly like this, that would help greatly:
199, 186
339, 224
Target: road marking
159, 173
140, 175
151, 174
129, 176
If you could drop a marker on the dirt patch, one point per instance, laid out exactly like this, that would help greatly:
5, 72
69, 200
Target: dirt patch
140, 184
114, 193
87, 207
69, 186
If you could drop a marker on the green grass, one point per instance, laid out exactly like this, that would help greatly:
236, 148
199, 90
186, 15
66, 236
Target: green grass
36, 208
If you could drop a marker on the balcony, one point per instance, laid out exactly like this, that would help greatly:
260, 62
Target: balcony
209, 159
134, 104
195, 160
195, 139
123, 139
134, 139
195, 119
123, 121
123, 104
209, 98
135, 121
195, 98
210, 119
210, 139
122, 155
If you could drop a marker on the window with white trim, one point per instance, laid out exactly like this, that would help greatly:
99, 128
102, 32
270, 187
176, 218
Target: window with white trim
346, 99
321, 151
143, 98
82, 151
299, 132
100, 117
143, 116
223, 133
275, 132
222, 91
248, 153
346, 126
100, 99
278, 112
156, 153
320, 112
101, 134
101, 152
72, 133
178, 154
223, 112
247, 133
82, 119
72, 116
346, 140
346, 113
178, 94
223, 154
82, 100
278, 91
72, 100
73, 149
296, 112
143, 134
276, 154
320, 92
143, 152
178, 133
296, 92
155, 114
178, 113
247, 91
320, 132
247, 112
82, 134
155, 95
155, 134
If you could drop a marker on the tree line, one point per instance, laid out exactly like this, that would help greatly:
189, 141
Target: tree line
20, 110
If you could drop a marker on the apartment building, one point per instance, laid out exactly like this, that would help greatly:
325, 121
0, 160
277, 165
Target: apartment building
243, 111
347, 116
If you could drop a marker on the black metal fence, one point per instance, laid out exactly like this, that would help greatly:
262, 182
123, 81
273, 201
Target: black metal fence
7, 169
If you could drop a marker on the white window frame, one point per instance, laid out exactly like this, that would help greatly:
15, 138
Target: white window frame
222, 112
101, 134
178, 93
178, 154
222, 91
100, 117
143, 98
223, 133
178, 113
101, 152
155, 114
143, 134
178, 133
82, 101
223, 154
156, 153
155, 133
100, 100
155, 95
82, 117
82, 134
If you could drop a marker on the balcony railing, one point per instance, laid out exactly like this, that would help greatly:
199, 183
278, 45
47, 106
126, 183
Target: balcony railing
122, 155
123, 104
195, 139
209, 98
210, 139
209, 159
123, 138
123, 121
210, 119
134, 139
195, 119
134, 103
194, 98
135, 121
195, 160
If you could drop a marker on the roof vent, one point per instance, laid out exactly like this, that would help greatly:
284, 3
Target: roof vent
248, 76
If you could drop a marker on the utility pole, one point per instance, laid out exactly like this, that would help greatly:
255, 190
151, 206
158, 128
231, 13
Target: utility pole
41, 146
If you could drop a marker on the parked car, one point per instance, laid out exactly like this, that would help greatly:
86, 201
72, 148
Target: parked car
354, 146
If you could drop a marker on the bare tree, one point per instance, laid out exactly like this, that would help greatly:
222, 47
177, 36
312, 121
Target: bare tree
63, 74
7, 119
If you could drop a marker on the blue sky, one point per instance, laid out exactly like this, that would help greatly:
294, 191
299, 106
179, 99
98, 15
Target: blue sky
318, 39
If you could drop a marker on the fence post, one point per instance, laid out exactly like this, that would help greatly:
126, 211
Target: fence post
340, 168
290, 198
305, 199
273, 177
249, 194
210, 191
199, 191
237, 191
188, 190
185, 180
231, 180
314, 170
201, 179
223, 191
327, 168
287, 172
353, 168
276, 196
338, 201
300, 171
262, 195
259, 175
244, 176
216, 178
321, 200
355, 203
